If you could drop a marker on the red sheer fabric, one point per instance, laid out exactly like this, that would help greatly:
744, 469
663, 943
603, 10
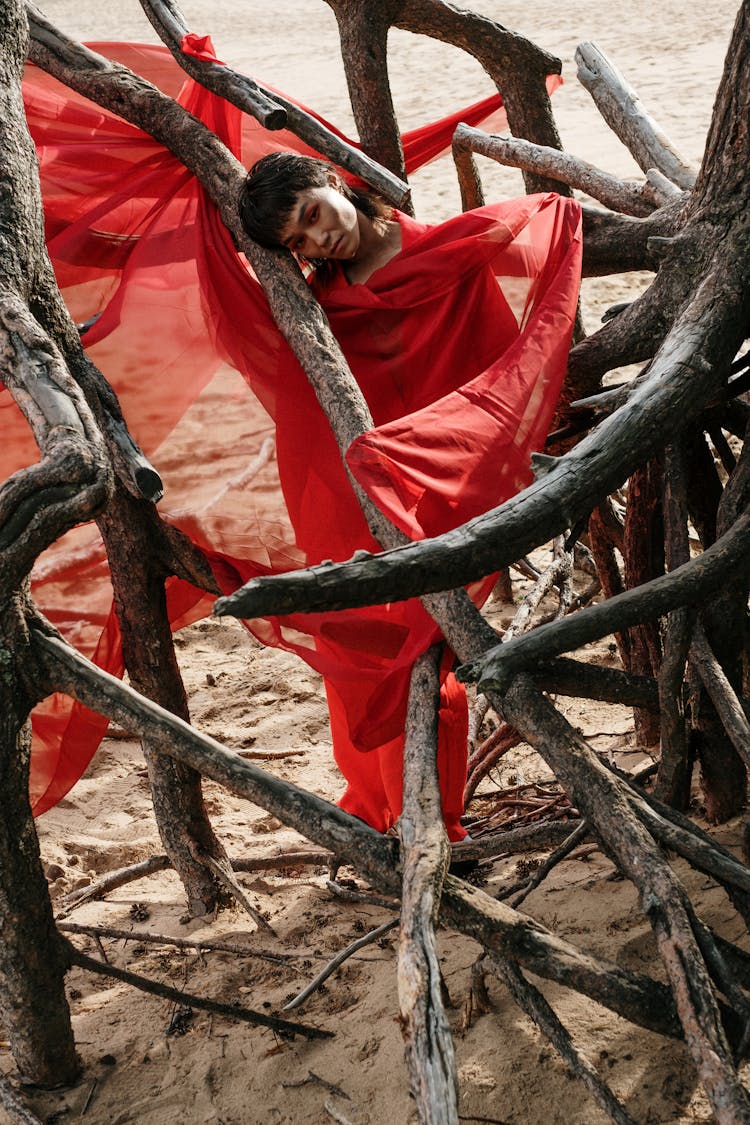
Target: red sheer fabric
459, 344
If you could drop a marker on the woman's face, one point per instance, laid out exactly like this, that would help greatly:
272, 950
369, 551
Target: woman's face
323, 224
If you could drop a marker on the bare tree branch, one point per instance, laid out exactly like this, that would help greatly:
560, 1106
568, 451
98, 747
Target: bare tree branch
621, 108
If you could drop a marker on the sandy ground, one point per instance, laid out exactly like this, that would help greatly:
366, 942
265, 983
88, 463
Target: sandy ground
267, 702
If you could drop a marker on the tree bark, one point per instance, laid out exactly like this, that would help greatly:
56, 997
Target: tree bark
644, 559
33, 1006
425, 851
132, 535
363, 31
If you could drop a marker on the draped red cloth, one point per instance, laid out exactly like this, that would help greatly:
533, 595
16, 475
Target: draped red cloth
459, 344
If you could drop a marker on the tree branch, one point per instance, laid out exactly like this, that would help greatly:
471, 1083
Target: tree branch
495, 925
728, 560
425, 851
626, 198
621, 108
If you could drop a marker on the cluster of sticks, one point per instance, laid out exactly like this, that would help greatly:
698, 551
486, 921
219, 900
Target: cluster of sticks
689, 326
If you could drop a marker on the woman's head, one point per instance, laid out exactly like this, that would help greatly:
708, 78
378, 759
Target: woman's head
302, 203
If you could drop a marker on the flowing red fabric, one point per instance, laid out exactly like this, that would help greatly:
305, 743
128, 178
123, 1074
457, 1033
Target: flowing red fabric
459, 344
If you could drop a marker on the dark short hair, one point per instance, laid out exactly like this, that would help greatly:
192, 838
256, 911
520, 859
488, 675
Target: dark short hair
272, 185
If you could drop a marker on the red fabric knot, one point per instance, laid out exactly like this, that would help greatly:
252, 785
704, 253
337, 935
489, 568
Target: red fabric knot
200, 47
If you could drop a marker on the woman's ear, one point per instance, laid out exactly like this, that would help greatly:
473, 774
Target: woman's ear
334, 180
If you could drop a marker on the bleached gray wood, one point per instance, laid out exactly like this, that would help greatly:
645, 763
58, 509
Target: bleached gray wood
425, 851
627, 198
622, 109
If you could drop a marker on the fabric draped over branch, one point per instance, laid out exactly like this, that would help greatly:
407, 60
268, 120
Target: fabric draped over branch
461, 363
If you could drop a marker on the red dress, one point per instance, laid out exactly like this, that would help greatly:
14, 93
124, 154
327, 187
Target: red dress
459, 344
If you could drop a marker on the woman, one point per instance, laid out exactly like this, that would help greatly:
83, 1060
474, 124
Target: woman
135, 242
457, 335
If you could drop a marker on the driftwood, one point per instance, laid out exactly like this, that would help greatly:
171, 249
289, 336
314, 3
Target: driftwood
468, 909
272, 109
569, 845
723, 562
531, 1001
18, 1113
621, 108
624, 197
430, 1057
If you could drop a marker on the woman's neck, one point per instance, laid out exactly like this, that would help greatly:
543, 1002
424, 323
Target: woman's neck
378, 243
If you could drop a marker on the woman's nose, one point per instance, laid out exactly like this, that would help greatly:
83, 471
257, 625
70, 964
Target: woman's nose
319, 237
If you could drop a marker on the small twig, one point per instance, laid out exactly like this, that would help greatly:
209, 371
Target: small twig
135, 871
527, 569
148, 938
223, 872
486, 756
579, 833
268, 756
558, 568
100, 949
320, 1082
89, 1096
529, 838
338, 960
478, 1001
488, 1120
247, 1015
112, 881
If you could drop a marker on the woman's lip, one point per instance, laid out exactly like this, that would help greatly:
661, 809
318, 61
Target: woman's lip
336, 246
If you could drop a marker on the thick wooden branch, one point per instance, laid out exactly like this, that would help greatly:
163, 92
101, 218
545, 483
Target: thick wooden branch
496, 926
626, 198
363, 34
728, 560
537, 1008
73, 480
673, 780
621, 108
273, 110
564, 676
169, 23
723, 696
615, 243
425, 852
18, 1113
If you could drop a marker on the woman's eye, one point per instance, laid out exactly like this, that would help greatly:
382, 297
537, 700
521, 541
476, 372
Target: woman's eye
312, 215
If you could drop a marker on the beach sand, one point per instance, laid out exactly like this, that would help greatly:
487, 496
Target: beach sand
264, 701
